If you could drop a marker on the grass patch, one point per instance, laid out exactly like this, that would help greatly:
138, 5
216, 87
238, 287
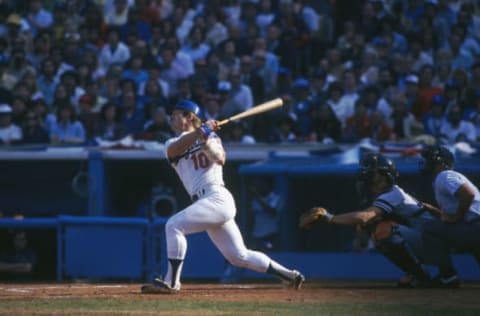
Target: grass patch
190, 307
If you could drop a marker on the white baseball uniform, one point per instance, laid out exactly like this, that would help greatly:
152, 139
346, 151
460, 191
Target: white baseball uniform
213, 211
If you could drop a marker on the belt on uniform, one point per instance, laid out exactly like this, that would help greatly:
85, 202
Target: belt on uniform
195, 197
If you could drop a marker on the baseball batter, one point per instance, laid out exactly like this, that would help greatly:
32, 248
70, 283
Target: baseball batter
197, 155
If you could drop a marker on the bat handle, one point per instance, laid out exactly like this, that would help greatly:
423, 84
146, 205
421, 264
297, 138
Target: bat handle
223, 122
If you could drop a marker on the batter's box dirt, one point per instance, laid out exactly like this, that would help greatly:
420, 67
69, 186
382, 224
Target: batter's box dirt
314, 291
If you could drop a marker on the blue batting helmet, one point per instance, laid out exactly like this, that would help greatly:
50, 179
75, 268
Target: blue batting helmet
189, 106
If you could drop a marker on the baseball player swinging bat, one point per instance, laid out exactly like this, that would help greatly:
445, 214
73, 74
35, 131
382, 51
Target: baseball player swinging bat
263, 107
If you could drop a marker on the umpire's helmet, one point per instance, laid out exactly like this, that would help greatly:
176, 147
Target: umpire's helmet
188, 106
374, 161
435, 155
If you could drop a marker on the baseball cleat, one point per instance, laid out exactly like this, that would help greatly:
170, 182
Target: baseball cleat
298, 280
159, 286
411, 282
451, 281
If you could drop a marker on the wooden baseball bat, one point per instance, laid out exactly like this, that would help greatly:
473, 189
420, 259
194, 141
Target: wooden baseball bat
263, 107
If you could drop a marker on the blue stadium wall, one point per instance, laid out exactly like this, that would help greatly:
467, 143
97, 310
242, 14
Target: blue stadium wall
112, 203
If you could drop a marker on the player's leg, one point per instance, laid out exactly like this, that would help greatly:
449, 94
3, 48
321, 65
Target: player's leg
440, 238
228, 239
402, 246
198, 217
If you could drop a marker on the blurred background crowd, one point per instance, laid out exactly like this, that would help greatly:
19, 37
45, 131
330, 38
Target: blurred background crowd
80, 71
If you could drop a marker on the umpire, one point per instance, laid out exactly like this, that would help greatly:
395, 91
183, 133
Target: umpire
459, 202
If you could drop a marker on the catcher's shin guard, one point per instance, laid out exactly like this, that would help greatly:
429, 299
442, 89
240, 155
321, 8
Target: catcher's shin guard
399, 253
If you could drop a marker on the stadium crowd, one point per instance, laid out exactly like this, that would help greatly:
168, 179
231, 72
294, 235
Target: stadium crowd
76, 71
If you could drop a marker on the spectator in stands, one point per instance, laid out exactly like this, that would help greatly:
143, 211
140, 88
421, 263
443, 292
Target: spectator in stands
18, 66
33, 130
180, 57
425, 92
67, 129
153, 70
135, 24
326, 128
135, 70
237, 132
241, 94
265, 65
195, 45
342, 107
158, 128
417, 53
375, 101
9, 132
357, 126
69, 79
153, 92
216, 30
203, 75
212, 109
452, 93
302, 106
92, 90
171, 70
117, 15
473, 87
47, 119
380, 131
38, 18
228, 60
133, 116
87, 116
251, 78
403, 123
19, 109
434, 119
114, 51
46, 80
284, 131
411, 90
109, 126
456, 129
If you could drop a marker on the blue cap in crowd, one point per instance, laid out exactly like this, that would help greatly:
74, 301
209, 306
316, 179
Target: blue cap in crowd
438, 99
301, 83
451, 84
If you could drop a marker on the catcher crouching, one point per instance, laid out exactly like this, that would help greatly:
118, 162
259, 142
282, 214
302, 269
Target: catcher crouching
394, 219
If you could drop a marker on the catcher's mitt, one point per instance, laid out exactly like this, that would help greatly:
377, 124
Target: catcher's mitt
313, 216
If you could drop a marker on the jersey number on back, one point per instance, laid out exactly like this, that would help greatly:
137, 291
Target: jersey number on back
200, 160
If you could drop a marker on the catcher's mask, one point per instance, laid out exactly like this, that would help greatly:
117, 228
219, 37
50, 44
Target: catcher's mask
433, 156
374, 162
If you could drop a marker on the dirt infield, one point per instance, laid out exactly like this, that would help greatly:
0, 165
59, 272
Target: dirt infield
317, 291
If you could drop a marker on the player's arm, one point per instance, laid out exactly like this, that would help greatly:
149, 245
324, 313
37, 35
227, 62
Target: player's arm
465, 196
214, 150
179, 146
320, 215
435, 211
357, 218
